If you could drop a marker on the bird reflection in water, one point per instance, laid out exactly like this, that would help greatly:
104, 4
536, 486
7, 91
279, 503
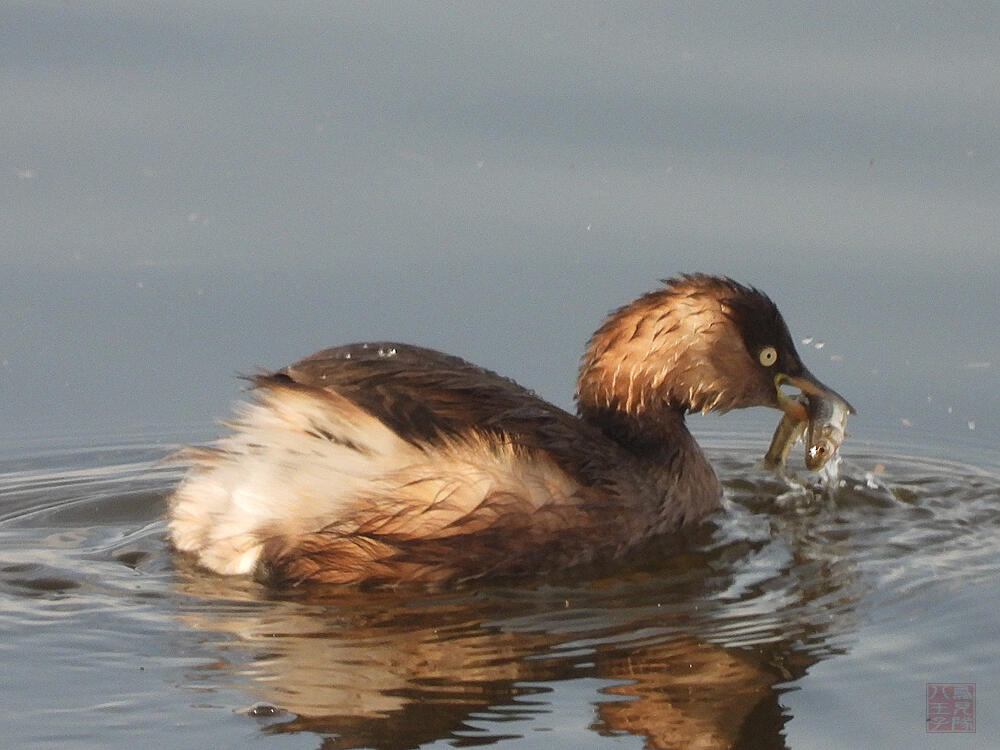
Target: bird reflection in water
688, 653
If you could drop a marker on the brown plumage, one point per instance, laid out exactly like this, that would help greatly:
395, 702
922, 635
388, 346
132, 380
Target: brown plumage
383, 463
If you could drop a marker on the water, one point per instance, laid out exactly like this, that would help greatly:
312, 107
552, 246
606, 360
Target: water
801, 617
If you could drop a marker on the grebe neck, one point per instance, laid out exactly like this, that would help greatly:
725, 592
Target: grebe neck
667, 456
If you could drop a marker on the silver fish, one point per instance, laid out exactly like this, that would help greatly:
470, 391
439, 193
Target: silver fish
825, 431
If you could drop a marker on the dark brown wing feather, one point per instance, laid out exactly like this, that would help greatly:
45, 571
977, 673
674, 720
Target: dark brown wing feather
425, 395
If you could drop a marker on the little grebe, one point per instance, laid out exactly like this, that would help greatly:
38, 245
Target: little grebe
384, 463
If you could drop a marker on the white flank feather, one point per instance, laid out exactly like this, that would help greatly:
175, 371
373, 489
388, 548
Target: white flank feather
299, 461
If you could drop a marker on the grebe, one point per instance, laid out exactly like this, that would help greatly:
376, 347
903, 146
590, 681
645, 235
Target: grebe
383, 463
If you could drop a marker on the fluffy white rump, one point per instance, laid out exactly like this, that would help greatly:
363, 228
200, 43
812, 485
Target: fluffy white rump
303, 460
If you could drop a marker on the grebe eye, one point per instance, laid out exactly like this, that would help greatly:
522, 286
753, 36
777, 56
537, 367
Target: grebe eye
768, 356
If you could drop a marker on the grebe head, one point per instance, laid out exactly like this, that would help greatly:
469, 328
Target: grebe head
700, 343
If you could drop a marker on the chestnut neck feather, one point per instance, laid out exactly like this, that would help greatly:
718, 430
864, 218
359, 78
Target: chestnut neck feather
672, 349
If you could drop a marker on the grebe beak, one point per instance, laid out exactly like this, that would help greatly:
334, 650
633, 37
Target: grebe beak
809, 386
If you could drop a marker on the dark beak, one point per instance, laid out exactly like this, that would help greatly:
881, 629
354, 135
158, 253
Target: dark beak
809, 386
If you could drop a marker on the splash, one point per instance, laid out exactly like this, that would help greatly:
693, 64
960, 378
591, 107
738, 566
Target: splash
829, 475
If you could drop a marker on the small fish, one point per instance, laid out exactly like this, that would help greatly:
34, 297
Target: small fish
825, 431
786, 434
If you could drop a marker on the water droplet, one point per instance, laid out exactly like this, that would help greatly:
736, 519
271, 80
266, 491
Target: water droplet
263, 710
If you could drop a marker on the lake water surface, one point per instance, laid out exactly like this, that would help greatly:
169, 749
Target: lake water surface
804, 616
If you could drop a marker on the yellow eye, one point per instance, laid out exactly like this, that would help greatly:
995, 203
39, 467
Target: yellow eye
768, 356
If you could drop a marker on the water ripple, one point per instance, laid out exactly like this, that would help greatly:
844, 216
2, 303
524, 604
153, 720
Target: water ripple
787, 577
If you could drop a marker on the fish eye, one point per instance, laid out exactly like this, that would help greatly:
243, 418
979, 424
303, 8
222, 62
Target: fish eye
768, 356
